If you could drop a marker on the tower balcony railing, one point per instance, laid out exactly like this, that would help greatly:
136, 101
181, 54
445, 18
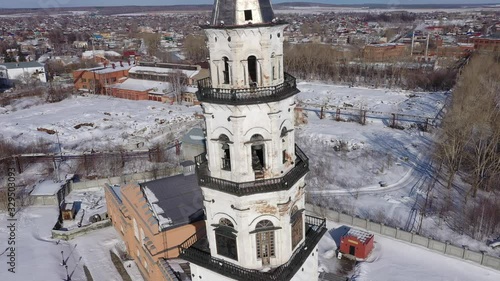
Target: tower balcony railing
194, 250
251, 95
300, 169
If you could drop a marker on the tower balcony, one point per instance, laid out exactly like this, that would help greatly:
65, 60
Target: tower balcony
251, 95
300, 169
195, 250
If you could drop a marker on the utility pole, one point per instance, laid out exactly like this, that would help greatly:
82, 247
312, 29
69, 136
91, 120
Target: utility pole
427, 47
56, 166
412, 43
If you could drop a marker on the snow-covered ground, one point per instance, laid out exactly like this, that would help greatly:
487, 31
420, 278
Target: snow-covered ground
94, 247
393, 260
38, 256
374, 152
349, 180
108, 122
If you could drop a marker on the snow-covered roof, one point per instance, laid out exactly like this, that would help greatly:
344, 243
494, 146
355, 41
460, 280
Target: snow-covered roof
194, 136
175, 200
156, 87
47, 188
30, 64
162, 70
91, 54
361, 235
108, 68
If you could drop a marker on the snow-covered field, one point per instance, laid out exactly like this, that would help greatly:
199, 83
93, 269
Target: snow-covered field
374, 152
393, 260
349, 180
107, 122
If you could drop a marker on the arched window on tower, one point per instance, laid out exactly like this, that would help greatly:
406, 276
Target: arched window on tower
284, 145
225, 152
225, 70
297, 226
258, 159
273, 65
252, 71
265, 241
225, 238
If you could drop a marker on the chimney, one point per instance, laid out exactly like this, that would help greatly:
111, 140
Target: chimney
105, 64
121, 63
113, 65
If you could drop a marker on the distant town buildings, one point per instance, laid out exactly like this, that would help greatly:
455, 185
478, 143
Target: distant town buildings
384, 52
163, 82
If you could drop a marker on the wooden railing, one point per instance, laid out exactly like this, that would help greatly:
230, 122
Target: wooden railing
258, 186
251, 95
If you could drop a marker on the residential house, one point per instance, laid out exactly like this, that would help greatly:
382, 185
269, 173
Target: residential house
22, 70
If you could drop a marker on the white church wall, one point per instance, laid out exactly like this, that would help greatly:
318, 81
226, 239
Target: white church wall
246, 212
265, 43
240, 123
309, 269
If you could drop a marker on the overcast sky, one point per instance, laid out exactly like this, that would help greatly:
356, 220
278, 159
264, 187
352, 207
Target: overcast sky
76, 3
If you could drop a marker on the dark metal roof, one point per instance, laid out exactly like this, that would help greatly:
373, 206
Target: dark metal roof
224, 12
180, 198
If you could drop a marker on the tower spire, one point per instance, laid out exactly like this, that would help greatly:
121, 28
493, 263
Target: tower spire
242, 12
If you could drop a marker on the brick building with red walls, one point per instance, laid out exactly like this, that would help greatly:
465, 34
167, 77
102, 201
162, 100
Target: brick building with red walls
384, 52
484, 43
357, 243
95, 80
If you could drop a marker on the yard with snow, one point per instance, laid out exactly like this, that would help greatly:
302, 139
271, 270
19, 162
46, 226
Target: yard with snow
393, 260
39, 258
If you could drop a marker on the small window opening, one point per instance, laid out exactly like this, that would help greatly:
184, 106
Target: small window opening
248, 14
226, 70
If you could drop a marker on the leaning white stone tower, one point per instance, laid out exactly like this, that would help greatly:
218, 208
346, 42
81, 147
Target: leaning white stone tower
252, 176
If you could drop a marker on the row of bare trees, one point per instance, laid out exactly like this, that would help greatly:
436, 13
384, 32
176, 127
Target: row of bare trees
324, 62
470, 136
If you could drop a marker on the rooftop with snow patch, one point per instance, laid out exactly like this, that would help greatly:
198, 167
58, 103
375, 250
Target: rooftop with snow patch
144, 85
194, 136
47, 188
175, 200
361, 235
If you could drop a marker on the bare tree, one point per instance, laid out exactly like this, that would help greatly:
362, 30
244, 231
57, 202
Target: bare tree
152, 41
195, 48
179, 82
